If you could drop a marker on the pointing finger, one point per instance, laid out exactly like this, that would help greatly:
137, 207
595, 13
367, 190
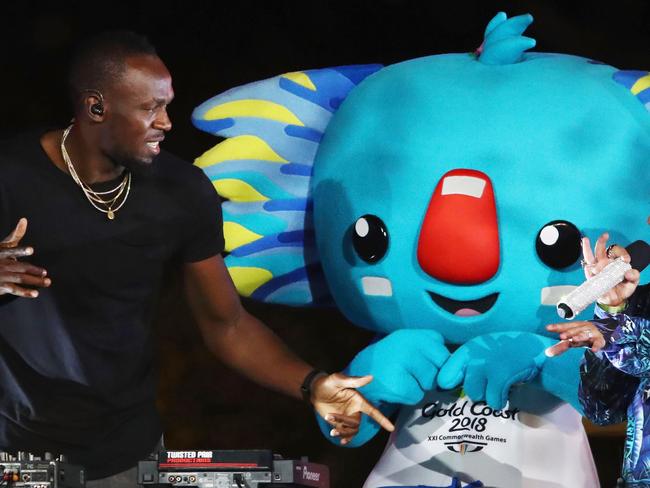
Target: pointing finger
557, 349
377, 416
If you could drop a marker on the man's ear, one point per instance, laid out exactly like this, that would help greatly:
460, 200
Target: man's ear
94, 104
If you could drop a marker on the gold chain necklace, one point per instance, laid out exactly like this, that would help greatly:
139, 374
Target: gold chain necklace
96, 198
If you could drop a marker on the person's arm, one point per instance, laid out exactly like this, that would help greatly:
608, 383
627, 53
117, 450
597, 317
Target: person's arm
628, 346
604, 392
245, 344
233, 335
624, 341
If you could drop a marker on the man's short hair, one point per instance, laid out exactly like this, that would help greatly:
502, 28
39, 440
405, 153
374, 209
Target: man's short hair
101, 60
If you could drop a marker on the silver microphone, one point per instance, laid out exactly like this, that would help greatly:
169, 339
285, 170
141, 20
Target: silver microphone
611, 275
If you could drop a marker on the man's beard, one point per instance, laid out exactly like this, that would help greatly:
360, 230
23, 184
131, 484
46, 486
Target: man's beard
135, 166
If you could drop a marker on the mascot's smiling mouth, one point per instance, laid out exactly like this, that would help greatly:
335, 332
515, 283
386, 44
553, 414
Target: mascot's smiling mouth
465, 308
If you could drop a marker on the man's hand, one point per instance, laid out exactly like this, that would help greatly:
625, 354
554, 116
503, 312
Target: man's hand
575, 334
14, 273
336, 399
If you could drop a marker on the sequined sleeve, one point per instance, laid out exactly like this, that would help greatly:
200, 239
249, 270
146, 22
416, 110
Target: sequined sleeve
604, 391
628, 345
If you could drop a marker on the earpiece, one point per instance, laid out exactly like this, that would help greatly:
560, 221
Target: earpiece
96, 108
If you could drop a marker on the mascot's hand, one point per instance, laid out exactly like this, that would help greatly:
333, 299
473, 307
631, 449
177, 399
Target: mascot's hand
404, 366
490, 364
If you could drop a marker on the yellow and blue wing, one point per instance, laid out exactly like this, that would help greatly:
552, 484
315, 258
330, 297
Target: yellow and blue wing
638, 82
273, 129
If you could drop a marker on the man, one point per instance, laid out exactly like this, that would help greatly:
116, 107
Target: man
106, 212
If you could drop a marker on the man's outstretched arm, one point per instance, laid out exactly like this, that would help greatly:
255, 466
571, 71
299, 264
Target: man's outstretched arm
245, 344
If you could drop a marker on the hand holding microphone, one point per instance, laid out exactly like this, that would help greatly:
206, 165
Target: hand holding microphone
612, 275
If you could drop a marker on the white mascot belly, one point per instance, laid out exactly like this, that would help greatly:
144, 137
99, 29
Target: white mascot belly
448, 436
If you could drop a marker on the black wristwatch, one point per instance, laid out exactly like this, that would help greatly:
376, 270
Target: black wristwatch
305, 388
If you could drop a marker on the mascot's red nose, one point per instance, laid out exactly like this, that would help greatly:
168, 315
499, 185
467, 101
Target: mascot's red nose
459, 238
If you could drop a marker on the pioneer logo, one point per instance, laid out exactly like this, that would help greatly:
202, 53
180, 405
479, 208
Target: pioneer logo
310, 475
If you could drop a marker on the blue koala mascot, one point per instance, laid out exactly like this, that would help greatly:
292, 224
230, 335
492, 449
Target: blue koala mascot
441, 202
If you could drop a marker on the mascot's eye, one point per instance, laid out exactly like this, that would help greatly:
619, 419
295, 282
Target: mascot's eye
370, 238
558, 244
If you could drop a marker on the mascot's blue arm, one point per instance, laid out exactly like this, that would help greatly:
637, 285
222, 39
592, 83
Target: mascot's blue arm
404, 365
479, 366
560, 375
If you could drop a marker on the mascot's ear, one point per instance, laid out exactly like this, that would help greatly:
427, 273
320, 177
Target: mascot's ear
638, 82
503, 42
273, 129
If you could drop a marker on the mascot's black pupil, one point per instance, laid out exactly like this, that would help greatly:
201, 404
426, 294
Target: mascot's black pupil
370, 238
558, 244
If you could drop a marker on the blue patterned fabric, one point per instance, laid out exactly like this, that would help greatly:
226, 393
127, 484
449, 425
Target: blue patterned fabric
617, 380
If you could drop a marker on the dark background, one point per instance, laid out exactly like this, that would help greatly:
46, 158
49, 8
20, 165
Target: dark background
210, 46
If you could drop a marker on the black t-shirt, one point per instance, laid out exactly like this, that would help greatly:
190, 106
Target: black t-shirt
77, 374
